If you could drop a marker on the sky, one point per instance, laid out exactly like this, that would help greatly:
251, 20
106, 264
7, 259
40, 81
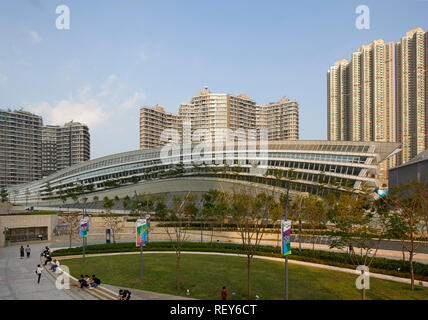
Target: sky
120, 55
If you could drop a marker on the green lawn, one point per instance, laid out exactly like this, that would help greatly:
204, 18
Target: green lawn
204, 276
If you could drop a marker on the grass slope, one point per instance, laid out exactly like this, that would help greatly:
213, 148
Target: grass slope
204, 276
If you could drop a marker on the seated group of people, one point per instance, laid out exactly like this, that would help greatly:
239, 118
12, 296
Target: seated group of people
46, 254
86, 281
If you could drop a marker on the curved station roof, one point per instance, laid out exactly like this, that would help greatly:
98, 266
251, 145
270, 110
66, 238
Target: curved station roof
306, 164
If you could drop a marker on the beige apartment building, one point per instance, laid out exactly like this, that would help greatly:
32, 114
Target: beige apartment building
20, 147
379, 96
64, 146
216, 111
152, 122
412, 98
280, 118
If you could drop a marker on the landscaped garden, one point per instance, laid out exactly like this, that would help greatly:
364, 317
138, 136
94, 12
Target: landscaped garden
204, 276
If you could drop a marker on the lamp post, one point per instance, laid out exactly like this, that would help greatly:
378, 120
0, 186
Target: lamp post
84, 239
141, 246
286, 256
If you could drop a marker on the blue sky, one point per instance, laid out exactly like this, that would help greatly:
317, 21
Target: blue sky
119, 55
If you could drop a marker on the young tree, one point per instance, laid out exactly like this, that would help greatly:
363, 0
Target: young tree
214, 209
178, 233
63, 198
250, 215
160, 207
72, 219
95, 200
116, 200
111, 221
84, 200
408, 201
315, 214
49, 191
75, 198
297, 213
4, 195
127, 203
355, 229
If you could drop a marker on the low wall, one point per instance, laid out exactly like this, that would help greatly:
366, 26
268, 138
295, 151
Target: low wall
26, 221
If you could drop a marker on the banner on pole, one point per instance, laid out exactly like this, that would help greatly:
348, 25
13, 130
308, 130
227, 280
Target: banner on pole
84, 227
141, 227
286, 237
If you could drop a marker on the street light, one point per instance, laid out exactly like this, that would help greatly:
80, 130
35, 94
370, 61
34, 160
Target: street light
141, 246
286, 256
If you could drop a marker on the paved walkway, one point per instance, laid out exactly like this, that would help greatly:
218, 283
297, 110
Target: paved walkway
18, 279
146, 295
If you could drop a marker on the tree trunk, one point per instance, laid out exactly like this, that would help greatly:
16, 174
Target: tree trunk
412, 275
313, 241
178, 270
364, 287
412, 252
201, 233
71, 235
300, 231
249, 277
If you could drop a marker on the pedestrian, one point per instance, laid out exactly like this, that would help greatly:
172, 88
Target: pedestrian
28, 250
351, 248
39, 273
224, 294
124, 295
22, 252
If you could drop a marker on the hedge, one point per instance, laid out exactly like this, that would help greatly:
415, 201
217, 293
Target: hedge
379, 265
234, 226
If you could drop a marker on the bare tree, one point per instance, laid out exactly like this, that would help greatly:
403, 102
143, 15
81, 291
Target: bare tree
315, 214
250, 215
112, 221
355, 229
178, 233
72, 219
297, 213
409, 202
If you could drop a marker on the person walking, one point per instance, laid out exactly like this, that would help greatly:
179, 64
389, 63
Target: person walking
39, 273
224, 294
22, 252
28, 250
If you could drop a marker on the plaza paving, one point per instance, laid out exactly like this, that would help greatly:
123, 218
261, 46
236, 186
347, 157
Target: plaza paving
19, 280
